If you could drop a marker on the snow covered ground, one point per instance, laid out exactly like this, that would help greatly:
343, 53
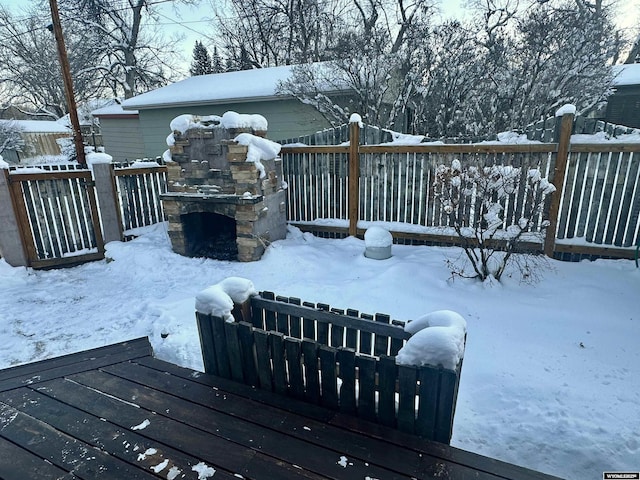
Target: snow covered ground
550, 378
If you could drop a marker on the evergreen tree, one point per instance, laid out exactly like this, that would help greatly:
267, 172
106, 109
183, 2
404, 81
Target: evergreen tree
201, 64
216, 62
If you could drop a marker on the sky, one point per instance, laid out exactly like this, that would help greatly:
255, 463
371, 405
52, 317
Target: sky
191, 21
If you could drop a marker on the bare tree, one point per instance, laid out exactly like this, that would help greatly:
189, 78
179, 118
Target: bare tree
130, 56
29, 68
262, 33
377, 59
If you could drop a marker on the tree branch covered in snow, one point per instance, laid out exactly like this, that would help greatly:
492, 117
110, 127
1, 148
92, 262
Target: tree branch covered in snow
10, 138
509, 66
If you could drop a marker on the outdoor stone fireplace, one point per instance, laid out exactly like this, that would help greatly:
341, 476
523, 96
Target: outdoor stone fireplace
225, 199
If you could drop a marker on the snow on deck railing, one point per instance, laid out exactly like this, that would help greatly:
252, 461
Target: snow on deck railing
364, 365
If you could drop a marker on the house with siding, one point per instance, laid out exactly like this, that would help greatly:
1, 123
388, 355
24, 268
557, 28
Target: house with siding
623, 107
121, 132
247, 91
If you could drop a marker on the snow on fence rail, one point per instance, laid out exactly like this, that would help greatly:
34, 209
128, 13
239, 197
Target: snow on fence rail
598, 209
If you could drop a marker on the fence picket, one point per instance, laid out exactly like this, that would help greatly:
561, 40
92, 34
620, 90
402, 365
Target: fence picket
328, 378
311, 370
366, 387
294, 367
407, 377
387, 374
347, 362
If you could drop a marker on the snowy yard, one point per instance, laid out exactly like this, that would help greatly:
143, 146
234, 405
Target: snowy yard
550, 377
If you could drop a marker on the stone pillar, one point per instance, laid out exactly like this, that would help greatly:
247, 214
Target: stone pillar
11, 245
107, 199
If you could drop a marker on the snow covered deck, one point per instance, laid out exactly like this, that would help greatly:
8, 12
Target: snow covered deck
117, 412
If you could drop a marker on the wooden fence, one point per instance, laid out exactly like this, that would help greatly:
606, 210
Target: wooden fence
343, 362
58, 216
139, 191
547, 130
340, 189
61, 212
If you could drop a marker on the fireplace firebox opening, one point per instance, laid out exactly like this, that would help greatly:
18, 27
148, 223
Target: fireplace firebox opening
210, 235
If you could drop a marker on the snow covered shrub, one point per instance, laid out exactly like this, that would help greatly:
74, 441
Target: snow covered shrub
493, 210
10, 136
67, 147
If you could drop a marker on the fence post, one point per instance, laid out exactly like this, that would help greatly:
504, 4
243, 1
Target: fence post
354, 174
564, 143
11, 245
103, 175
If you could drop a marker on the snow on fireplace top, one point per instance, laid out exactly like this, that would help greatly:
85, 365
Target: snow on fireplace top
245, 85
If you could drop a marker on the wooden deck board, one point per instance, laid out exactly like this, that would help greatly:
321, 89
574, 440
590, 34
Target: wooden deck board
317, 433
74, 417
25, 464
32, 373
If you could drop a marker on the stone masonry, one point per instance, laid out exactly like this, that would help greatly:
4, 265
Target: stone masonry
210, 174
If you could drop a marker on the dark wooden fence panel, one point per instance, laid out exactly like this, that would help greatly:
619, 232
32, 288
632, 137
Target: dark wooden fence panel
319, 369
330, 326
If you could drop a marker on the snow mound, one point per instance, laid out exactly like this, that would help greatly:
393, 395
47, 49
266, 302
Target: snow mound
182, 123
356, 118
240, 120
144, 164
511, 138
437, 340
217, 300
377, 237
439, 318
96, 157
566, 109
3, 164
405, 139
229, 120
259, 149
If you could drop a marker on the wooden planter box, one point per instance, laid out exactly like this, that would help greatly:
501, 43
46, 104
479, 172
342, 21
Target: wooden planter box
341, 360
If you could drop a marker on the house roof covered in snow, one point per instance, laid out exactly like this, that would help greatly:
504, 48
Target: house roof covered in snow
40, 126
230, 87
242, 86
628, 74
113, 110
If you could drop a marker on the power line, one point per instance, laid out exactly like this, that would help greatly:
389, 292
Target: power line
16, 36
183, 24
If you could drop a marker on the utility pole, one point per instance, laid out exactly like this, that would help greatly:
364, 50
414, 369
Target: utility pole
68, 83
